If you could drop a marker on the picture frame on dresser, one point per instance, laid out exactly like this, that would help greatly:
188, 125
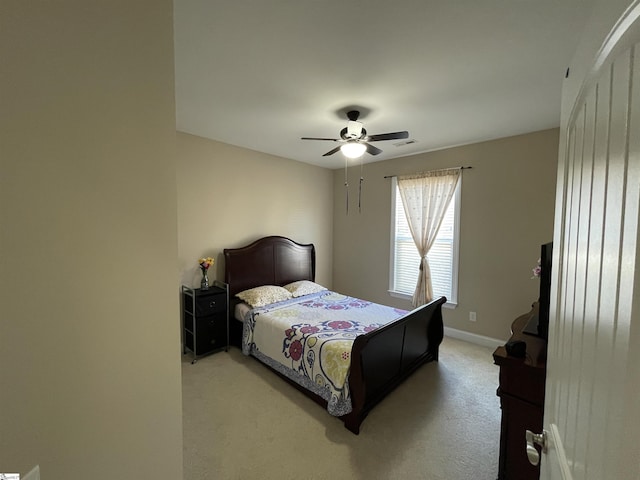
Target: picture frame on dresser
205, 320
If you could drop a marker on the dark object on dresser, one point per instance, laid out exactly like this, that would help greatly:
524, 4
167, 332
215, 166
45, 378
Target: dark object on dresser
521, 392
204, 320
516, 348
380, 360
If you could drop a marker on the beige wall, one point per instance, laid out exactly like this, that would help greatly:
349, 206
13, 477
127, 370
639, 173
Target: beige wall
507, 213
230, 196
89, 337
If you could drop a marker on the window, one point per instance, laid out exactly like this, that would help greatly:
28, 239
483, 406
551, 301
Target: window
443, 256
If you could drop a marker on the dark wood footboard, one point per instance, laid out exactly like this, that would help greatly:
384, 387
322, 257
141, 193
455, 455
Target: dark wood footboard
381, 359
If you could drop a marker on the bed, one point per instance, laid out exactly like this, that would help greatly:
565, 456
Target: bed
383, 352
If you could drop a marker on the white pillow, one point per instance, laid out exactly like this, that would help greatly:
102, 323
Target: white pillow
304, 287
264, 295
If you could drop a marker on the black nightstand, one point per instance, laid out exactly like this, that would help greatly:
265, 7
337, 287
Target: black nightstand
205, 320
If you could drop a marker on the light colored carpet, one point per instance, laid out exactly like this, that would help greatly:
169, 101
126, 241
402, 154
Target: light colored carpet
241, 421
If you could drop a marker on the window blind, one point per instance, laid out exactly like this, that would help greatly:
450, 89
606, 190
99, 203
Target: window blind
441, 256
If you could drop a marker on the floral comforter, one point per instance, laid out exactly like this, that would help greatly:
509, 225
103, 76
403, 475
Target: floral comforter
309, 340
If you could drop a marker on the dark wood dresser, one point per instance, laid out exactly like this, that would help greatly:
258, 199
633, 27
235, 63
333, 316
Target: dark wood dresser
521, 393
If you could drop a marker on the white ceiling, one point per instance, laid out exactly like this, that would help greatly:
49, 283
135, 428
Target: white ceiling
260, 74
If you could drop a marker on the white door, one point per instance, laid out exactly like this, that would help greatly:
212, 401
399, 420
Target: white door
592, 407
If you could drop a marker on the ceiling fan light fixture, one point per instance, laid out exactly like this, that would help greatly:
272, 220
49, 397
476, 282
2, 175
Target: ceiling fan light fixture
355, 140
353, 149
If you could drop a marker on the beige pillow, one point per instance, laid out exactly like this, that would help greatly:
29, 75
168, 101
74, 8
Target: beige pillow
264, 295
304, 287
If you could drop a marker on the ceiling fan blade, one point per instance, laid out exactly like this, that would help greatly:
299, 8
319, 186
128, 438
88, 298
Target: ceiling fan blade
387, 136
373, 150
331, 152
317, 138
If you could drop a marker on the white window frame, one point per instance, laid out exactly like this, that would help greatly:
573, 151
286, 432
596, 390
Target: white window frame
453, 301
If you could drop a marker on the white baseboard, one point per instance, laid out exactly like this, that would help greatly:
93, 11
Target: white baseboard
473, 338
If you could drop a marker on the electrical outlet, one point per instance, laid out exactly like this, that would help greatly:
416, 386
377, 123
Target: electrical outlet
34, 474
472, 316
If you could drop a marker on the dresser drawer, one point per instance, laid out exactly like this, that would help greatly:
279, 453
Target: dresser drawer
210, 334
210, 304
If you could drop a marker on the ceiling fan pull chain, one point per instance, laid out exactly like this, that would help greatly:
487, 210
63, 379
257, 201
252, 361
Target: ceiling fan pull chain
346, 185
360, 188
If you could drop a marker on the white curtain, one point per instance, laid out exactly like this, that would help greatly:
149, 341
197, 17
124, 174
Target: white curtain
425, 198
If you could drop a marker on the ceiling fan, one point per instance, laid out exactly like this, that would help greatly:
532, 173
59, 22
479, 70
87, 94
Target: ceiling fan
355, 140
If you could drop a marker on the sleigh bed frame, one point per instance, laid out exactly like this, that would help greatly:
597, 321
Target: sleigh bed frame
380, 360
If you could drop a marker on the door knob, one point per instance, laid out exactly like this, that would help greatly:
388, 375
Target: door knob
532, 440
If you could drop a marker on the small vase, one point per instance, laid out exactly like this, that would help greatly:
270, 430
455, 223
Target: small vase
204, 283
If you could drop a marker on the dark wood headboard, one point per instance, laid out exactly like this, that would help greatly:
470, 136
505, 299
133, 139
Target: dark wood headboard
270, 260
